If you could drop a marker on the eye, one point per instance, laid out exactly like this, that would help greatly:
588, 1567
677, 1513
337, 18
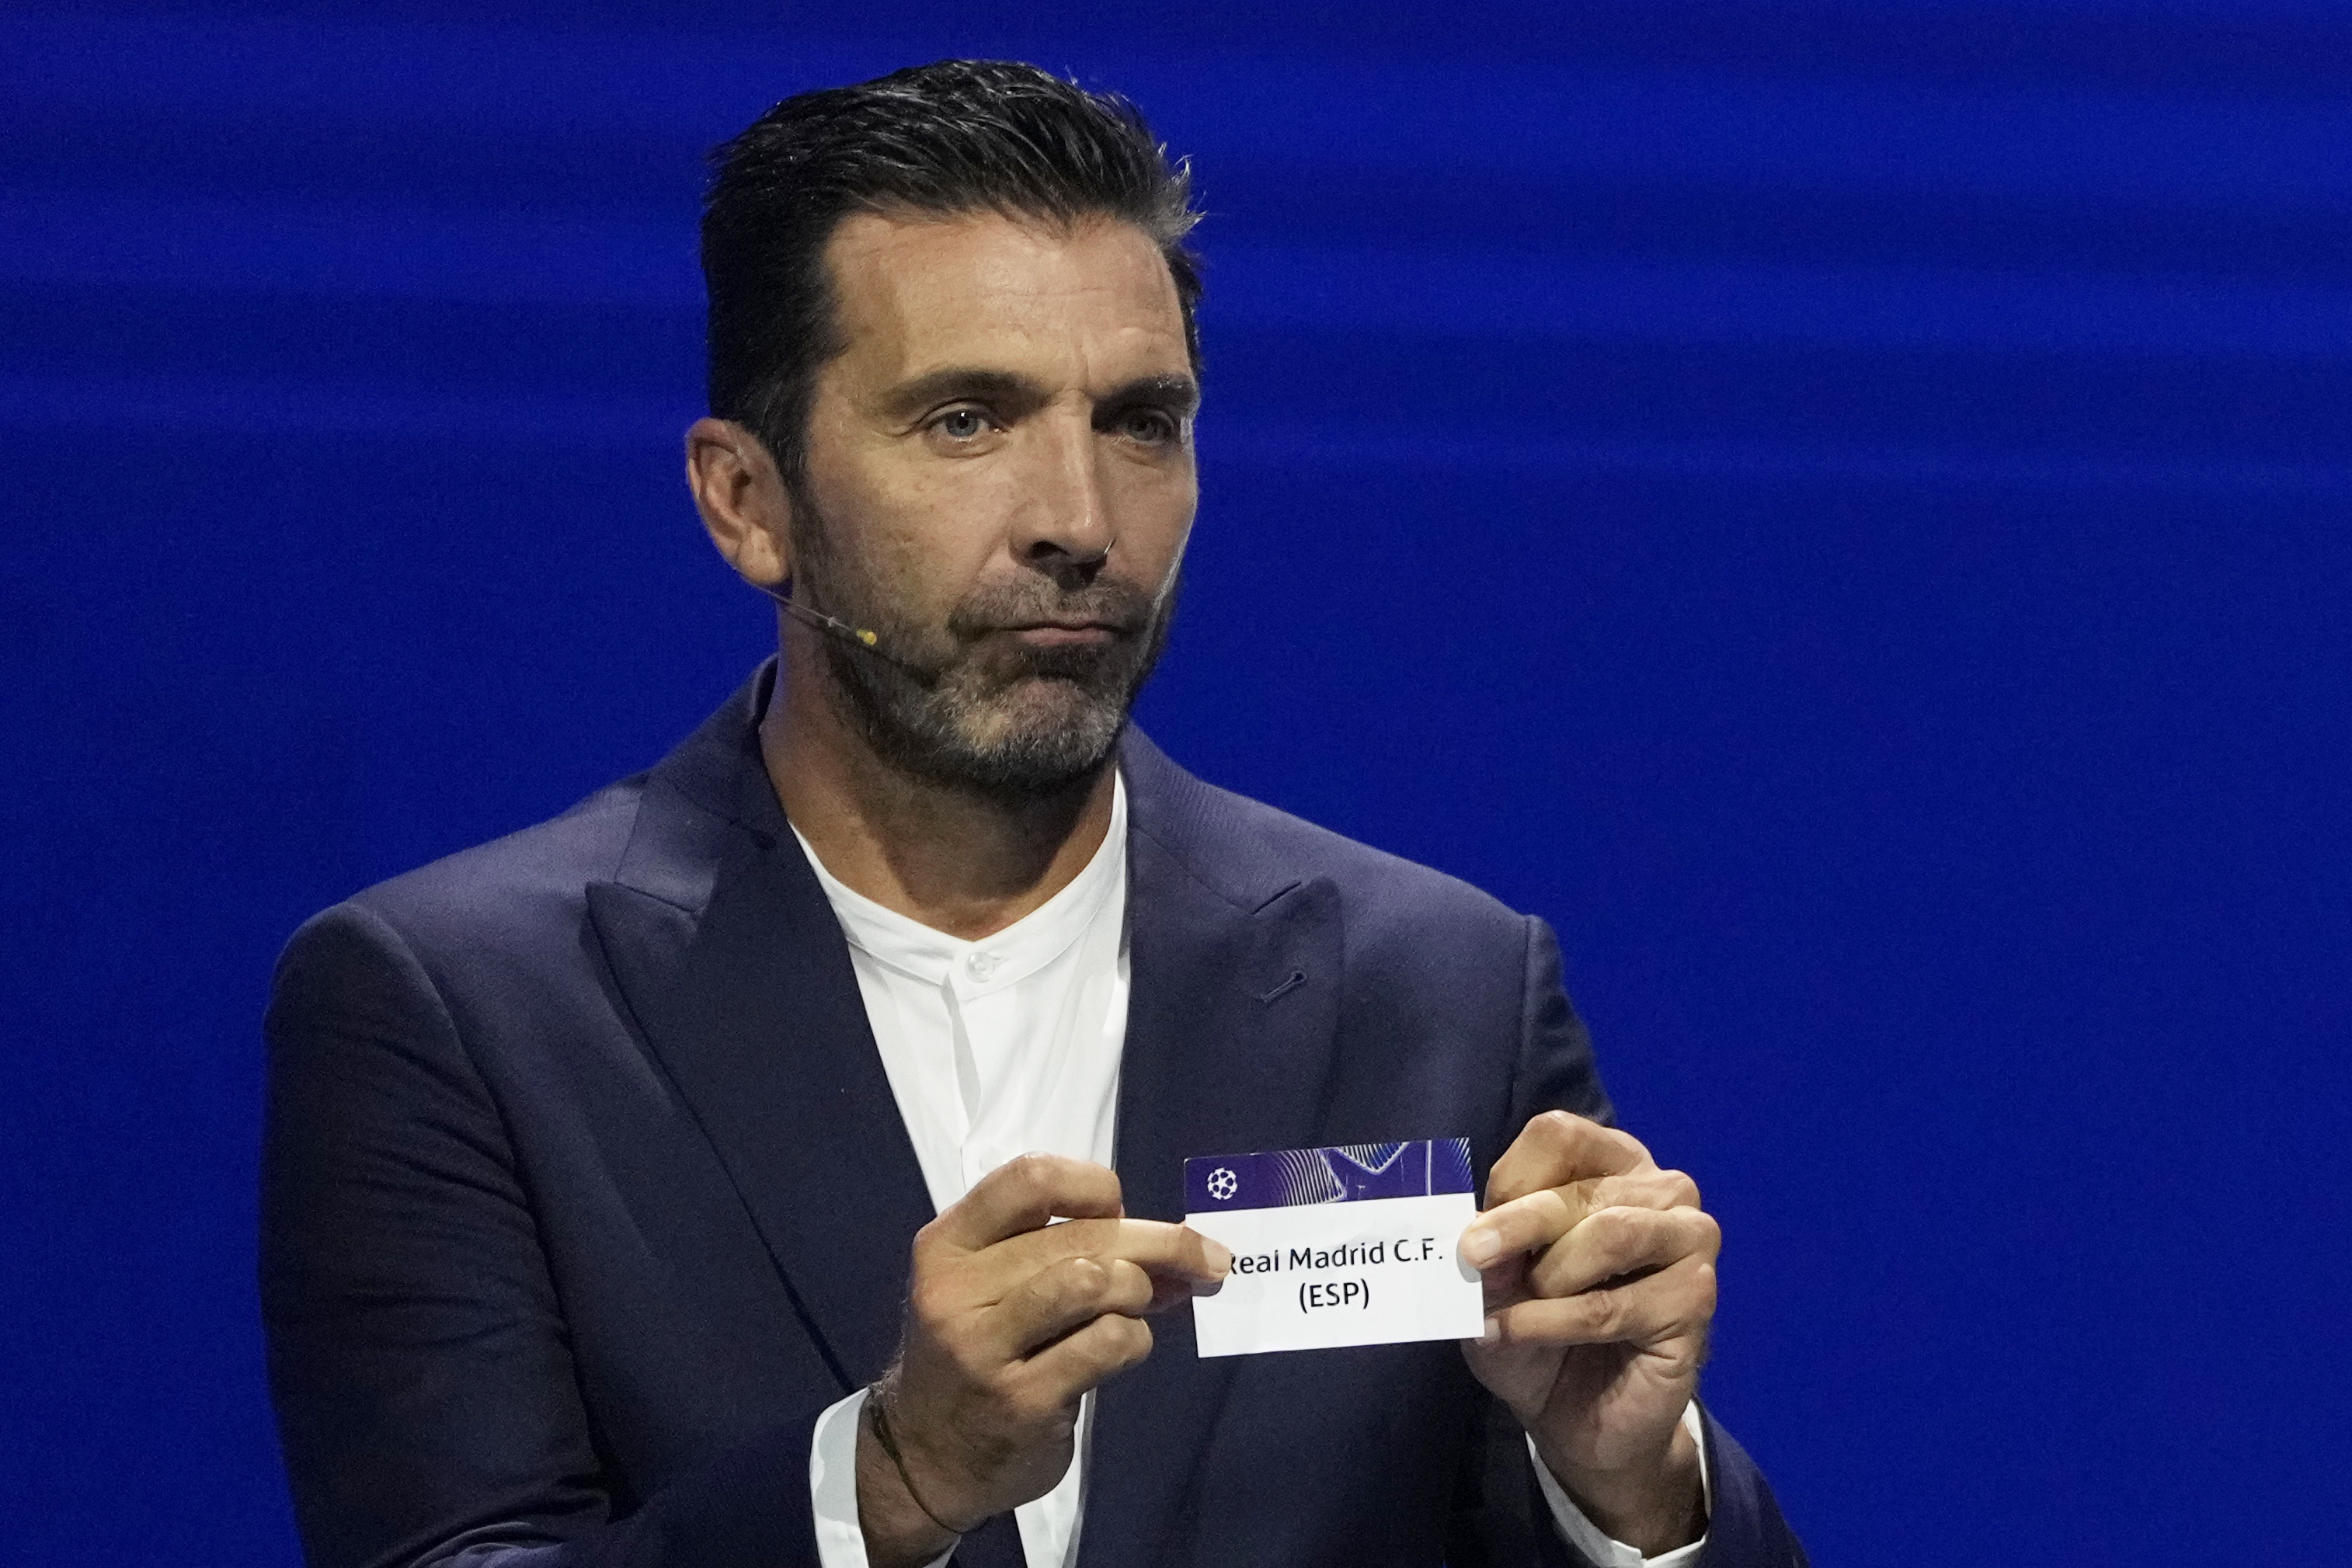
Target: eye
961, 425
1152, 426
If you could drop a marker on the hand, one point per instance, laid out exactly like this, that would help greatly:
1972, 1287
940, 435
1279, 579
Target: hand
1599, 1276
1010, 1319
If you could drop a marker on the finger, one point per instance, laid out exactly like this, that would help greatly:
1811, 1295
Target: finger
1557, 1148
1617, 1242
1522, 1225
1168, 1290
1537, 1220
1059, 1298
1174, 1253
1674, 1302
1081, 1360
1025, 1194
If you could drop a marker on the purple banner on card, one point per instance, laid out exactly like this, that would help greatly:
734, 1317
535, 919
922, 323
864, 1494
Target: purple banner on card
1344, 1173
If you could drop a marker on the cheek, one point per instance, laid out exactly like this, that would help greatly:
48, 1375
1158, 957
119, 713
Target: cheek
919, 539
1152, 511
914, 531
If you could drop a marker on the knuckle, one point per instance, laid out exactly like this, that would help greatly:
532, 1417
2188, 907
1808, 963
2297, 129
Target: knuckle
1523, 1221
1682, 1191
927, 1304
1128, 1284
1620, 1233
1626, 1143
1033, 1172
1084, 1279
1561, 1126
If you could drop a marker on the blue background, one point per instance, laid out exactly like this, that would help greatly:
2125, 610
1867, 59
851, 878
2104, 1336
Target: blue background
1841, 507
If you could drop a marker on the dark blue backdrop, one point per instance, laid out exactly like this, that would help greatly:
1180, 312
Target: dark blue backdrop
1842, 508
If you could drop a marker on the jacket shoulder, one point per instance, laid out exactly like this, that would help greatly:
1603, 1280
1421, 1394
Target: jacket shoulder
506, 893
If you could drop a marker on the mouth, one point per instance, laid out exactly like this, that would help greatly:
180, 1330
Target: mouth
1064, 634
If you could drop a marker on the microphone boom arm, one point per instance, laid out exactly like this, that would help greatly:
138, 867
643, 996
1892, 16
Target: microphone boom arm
820, 620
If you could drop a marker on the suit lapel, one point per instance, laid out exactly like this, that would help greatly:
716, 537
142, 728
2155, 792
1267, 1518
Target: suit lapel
1233, 1013
728, 956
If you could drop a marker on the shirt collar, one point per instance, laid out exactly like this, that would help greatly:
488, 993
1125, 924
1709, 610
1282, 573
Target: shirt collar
1012, 955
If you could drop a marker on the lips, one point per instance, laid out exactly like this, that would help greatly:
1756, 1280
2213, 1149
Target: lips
1030, 614
1055, 633
1107, 626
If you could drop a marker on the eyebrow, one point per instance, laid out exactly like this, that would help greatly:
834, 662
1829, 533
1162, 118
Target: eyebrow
958, 381
1179, 394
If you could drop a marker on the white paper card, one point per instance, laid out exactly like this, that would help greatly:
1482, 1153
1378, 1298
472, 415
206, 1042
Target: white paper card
1351, 1245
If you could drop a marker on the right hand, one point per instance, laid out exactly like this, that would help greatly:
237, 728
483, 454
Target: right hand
1010, 1321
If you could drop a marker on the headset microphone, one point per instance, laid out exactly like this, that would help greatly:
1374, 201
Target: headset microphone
820, 620
859, 637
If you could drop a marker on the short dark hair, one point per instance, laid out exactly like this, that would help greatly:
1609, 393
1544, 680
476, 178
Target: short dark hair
954, 138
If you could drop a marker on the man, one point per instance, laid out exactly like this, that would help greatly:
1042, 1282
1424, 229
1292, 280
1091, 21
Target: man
673, 1182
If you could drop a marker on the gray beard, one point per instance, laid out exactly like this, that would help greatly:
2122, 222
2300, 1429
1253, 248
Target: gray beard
1007, 722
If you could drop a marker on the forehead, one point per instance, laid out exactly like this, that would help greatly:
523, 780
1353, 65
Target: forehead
916, 294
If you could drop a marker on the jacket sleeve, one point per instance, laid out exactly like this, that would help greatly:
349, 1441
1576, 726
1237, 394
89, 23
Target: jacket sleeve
1501, 1516
1555, 1070
418, 1360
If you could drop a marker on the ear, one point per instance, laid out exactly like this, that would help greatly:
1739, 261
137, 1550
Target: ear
740, 495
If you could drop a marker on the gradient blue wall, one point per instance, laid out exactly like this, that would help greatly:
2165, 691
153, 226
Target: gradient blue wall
1842, 508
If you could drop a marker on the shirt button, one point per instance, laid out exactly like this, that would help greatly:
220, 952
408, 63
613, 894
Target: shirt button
980, 965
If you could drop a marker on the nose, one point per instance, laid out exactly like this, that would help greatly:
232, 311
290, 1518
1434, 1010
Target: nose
1063, 525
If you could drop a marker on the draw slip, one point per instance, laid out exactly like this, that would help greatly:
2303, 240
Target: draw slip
1351, 1245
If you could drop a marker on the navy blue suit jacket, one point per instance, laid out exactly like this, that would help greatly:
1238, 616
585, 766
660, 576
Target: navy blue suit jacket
584, 1191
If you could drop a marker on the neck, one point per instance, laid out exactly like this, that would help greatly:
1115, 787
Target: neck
956, 859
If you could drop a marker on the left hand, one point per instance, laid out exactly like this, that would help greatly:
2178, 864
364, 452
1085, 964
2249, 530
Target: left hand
1599, 1276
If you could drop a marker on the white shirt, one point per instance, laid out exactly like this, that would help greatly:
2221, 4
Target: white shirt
993, 1049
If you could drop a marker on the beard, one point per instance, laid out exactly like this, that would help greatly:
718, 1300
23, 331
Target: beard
969, 707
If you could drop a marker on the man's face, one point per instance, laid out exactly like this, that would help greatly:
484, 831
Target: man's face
999, 483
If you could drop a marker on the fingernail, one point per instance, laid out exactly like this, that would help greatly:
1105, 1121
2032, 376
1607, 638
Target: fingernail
1491, 1332
1480, 1247
1220, 1256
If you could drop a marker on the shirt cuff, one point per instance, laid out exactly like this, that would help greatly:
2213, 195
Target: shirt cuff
1580, 1533
833, 1488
